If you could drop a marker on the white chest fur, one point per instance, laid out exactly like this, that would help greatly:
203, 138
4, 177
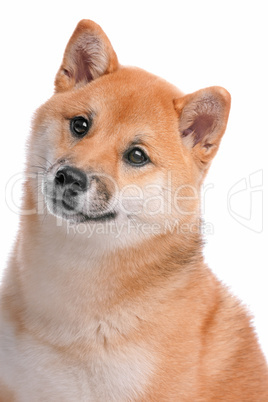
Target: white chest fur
36, 371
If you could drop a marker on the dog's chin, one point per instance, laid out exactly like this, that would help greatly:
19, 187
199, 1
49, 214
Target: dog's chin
62, 210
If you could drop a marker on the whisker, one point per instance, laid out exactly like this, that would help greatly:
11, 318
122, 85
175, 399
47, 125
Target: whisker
38, 187
46, 160
39, 167
45, 215
42, 174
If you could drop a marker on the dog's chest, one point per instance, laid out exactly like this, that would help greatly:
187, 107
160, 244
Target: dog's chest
36, 371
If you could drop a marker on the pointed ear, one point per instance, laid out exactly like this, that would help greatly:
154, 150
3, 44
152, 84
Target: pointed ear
88, 55
203, 118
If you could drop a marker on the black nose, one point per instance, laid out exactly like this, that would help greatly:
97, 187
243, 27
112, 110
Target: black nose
72, 178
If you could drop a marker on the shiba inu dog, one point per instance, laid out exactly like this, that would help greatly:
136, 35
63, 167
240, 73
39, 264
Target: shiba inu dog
106, 296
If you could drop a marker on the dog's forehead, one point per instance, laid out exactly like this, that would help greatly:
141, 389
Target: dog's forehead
134, 86
128, 91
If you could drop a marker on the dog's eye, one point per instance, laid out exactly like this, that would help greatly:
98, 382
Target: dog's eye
136, 157
79, 126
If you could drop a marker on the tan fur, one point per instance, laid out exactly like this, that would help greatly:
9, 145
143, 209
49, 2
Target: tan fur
138, 316
6, 394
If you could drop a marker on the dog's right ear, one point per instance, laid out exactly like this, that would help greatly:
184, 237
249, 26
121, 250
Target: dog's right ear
88, 55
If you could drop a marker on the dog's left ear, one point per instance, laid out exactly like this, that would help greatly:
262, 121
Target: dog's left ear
203, 118
88, 55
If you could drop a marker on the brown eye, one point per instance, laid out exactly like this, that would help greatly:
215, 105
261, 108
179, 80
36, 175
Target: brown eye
79, 126
136, 157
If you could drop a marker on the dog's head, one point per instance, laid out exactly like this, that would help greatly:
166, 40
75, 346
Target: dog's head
117, 144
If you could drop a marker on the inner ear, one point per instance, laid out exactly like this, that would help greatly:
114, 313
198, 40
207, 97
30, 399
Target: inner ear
200, 127
203, 116
89, 59
88, 55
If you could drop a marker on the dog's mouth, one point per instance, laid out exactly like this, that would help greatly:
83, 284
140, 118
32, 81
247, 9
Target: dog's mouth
97, 218
67, 209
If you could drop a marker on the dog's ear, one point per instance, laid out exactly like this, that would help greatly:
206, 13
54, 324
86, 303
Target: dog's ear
88, 55
203, 118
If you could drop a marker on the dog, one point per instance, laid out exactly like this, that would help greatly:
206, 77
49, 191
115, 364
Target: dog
106, 296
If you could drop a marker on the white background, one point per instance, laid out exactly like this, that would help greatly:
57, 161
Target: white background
192, 44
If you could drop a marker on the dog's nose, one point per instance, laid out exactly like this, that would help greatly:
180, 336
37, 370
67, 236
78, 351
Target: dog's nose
72, 178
